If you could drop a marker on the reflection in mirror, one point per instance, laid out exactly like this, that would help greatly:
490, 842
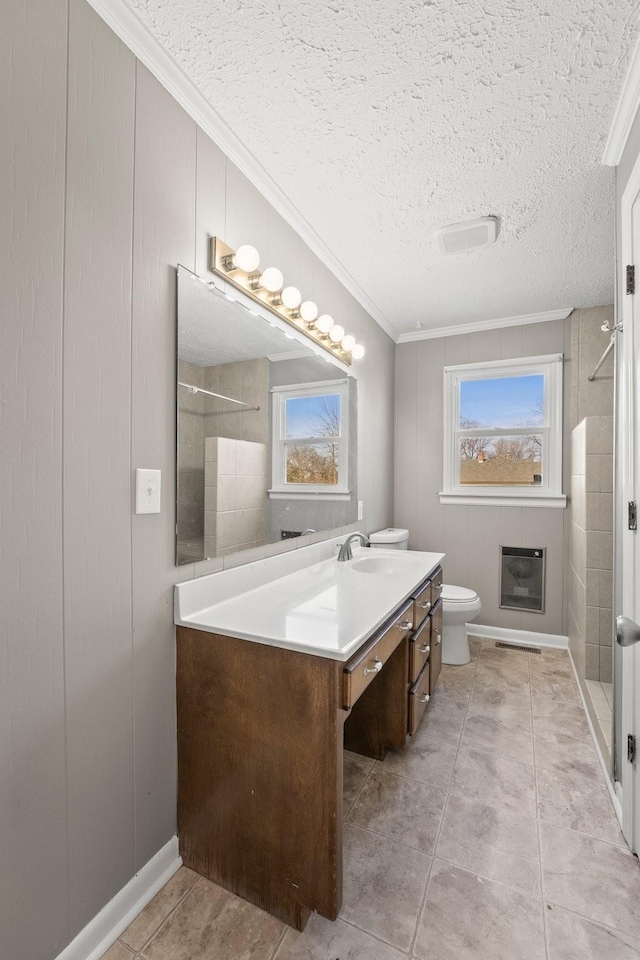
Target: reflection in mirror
267, 430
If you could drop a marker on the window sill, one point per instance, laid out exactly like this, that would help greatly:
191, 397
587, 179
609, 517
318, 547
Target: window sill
504, 500
335, 495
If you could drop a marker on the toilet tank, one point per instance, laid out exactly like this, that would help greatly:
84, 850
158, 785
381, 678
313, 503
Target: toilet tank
393, 538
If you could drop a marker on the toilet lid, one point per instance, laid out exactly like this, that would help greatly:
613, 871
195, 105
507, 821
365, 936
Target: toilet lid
458, 594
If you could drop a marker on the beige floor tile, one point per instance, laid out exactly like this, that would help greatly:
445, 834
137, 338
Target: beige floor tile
573, 938
487, 697
118, 952
355, 772
496, 780
213, 924
544, 668
554, 751
491, 841
506, 732
598, 880
457, 680
384, 883
594, 688
469, 918
158, 909
558, 688
507, 678
577, 803
401, 809
516, 661
423, 758
323, 939
571, 726
444, 717
545, 705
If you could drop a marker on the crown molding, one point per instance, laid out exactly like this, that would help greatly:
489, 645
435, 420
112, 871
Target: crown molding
625, 112
119, 16
455, 330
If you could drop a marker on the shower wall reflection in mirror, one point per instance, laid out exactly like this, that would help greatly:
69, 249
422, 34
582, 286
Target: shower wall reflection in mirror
267, 430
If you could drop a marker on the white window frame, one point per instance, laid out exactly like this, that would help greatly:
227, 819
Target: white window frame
280, 489
549, 492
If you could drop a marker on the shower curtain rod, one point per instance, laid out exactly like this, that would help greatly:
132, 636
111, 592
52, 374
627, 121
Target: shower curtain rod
193, 389
603, 357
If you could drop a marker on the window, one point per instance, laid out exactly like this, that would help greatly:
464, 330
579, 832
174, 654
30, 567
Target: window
503, 432
310, 441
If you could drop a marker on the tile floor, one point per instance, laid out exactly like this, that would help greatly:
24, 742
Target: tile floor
491, 838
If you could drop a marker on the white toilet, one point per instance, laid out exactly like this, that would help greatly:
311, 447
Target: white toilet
459, 607
393, 538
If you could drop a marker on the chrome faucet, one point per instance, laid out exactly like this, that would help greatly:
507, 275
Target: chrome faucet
345, 549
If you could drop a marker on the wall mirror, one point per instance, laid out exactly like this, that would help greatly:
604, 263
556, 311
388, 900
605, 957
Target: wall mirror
266, 429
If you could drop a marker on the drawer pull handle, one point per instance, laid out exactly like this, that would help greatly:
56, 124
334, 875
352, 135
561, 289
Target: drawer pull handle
426, 605
425, 649
424, 699
438, 586
376, 668
407, 625
438, 638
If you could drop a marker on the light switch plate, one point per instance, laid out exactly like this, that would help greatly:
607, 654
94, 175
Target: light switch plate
360, 509
148, 491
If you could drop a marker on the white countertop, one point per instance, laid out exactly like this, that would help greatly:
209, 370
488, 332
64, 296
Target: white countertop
327, 609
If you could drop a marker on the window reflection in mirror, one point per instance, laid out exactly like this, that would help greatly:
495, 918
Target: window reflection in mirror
266, 430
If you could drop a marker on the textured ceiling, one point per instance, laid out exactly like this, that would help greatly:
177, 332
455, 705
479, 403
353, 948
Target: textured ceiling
382, 120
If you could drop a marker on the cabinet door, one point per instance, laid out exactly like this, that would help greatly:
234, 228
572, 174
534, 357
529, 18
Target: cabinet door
418, 699
419, 650
435, 657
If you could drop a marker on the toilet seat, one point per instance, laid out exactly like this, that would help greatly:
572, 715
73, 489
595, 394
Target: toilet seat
453, 594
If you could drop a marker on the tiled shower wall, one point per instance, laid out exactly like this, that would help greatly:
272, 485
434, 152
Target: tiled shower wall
591, 555
235, 495
591, 551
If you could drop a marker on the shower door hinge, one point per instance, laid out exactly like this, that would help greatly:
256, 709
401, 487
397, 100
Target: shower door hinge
631, 278
633, 515
631, 748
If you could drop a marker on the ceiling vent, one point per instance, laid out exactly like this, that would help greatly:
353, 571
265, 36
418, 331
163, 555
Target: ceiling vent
460, 237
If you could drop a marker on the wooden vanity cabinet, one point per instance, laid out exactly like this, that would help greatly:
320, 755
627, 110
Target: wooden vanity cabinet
261, 734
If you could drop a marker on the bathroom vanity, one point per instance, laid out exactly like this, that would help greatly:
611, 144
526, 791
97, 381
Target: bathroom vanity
280, 667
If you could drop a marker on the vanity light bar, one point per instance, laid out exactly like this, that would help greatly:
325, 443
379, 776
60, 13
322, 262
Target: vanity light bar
240, 267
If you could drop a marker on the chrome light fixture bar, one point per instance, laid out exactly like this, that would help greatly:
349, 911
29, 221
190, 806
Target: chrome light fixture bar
240, 268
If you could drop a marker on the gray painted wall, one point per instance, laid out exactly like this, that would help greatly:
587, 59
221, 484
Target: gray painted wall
470, 536
104, 198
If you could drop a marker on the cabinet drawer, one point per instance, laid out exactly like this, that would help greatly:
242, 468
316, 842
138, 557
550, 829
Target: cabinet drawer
422, 603
435, 658
419, 650
370, 659
436, 586
418, 699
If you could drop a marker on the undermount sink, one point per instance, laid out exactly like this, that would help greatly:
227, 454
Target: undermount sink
379, 565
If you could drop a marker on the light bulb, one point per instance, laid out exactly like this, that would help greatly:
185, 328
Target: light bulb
291, 297
246, 258
308, 311
337, 333
324, 323
348, 343
272, 279
357, 352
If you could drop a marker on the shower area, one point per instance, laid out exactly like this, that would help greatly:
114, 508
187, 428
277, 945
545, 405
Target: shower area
591, 626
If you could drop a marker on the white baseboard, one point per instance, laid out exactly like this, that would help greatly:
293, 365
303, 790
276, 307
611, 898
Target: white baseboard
105, 928
525, 637
613, 793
